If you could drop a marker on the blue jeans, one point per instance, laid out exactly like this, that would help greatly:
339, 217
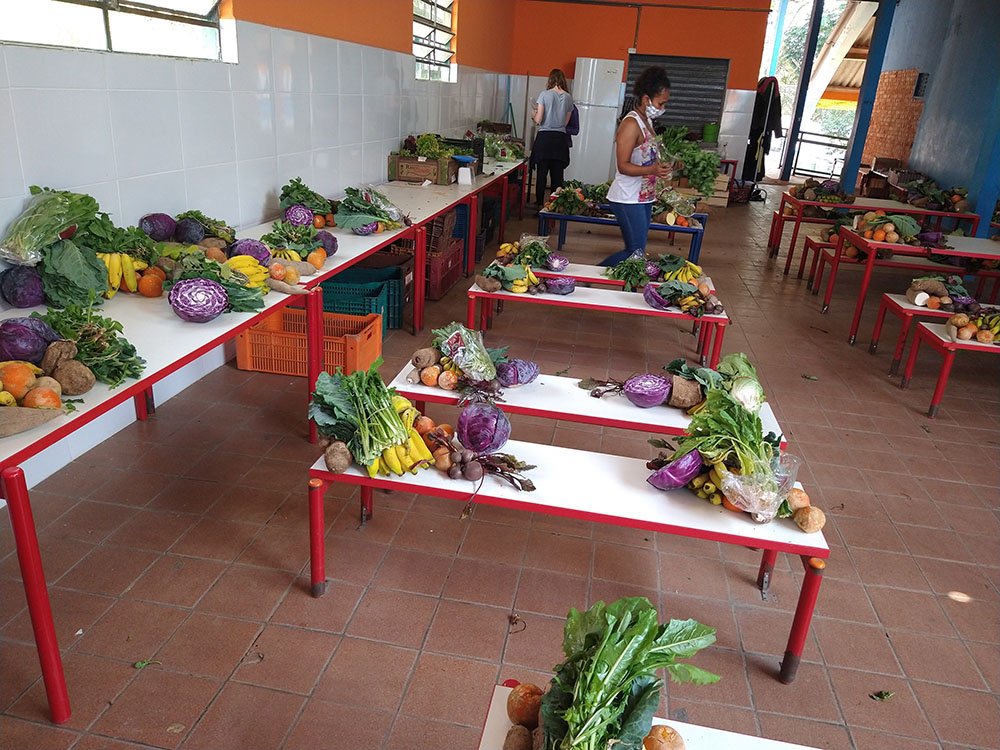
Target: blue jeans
634, 220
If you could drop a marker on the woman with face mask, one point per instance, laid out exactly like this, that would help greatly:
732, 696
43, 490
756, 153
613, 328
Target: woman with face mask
634, 189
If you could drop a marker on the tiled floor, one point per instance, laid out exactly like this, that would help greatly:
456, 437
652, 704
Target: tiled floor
183, 541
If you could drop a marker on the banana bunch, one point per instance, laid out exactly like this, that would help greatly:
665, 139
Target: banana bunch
122, 269
410, 456
448, 364
525, 284
708, 486
988, 322
687, 273
283, 253
691, 303
508, 248
255, 274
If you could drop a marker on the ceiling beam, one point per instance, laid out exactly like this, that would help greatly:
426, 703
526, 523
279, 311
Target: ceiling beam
857, 53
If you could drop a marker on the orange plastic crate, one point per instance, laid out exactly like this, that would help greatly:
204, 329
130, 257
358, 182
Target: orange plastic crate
278, 343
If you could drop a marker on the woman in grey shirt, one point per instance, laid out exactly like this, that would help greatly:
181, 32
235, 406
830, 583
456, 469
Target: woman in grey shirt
550, 152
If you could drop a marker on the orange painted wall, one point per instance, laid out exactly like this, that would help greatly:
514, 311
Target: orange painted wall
379, 23
548, 35
485, 34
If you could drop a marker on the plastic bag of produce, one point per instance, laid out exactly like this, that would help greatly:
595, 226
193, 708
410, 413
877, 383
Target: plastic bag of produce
49, 215
467, 350
761, 494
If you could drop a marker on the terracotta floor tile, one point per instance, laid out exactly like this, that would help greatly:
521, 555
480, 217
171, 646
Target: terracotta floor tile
609, 591
562, 526
812, 697
495, 542
680, 545
557, 552
866, 739
329, 612
382, 528
274, 474
287, 659
247, 504
538, 645
899, 715
977, 620
140, 714
353, 726
244, 716
842, 600
431, 533
549, 593
17, 734
90, 521
626, 564
78, 479
987, 659
716, 614
216, 539
109, 569
154, 530
804, 731
247, 593
942, 660
72, 611
624, 535
353, 559
19, 666
97, 742
186, 495
395, 617
277, 547
878, 535
450, 688
783, 592
680, 574
960, 715
910, 610
132, 630
221, 644
92, 682
764, 631
856, 646
481, 581
938, 543
417, 733
177, 580
715, 715
472, 630
731, 689
414, 571
367, 674
888, 569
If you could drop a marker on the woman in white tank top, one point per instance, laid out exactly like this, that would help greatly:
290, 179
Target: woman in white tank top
633, 191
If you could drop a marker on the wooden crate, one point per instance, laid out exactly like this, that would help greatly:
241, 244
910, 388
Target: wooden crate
419, 168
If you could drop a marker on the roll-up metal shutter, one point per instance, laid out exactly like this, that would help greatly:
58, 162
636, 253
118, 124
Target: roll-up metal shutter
697, 87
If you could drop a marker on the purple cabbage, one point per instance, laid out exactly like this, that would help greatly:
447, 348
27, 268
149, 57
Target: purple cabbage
482, 428
653, 270
932, 239
516, 372
158, 227
189, 231
830, 186
25, 339
253, 248
556, 262
328, 242
654, 299
21, 286
560, 285
677, 473
647, 390
198, 300
298, 215
365, 229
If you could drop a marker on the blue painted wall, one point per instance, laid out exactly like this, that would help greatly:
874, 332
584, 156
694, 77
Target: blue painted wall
915, 40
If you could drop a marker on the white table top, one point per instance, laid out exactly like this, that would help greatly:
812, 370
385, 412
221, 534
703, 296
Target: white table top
159, 336
970, 247
582, 272
695, 737
613, 300
900, 299
605, 489
886, 204
557, 397
940, 330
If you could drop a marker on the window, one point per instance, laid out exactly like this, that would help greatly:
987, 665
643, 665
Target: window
175, 28
434, 40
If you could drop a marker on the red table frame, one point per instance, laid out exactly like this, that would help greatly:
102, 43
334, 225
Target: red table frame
710, 331
906, 317
812, 558
947, 349
779, 218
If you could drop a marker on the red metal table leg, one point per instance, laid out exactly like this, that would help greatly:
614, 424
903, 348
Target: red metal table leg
766, 571
866, 280
524, 191
791, 254
834, 266
470, 262
904, 332
484, 315
314, 347
419, 277
803, 617
470, 312
720, 331
942, 382
879, 320
367, 504
795, 234
806, 247
812, 283
317, 531
911, 361
29, 558
141, 406
504, 181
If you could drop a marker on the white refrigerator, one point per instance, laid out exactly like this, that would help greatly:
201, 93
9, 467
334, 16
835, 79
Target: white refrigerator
597, 93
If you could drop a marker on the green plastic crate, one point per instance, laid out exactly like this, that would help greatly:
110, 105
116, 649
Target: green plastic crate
357, 299
393, 277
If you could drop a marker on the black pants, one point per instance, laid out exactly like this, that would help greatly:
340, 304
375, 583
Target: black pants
547, 168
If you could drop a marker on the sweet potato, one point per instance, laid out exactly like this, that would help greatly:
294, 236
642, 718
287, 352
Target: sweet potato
425, 357
15, 419
518, 738
488, 284
281, 286
931, 286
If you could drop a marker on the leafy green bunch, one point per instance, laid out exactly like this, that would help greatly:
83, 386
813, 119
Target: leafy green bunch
284, 235
725, 431
606, 691
632, 271
213, 227
102, 236
360, 207
296, 192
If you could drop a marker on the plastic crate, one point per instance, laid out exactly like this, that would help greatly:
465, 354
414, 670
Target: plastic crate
395, 271
357, 299
278, 343
444, 270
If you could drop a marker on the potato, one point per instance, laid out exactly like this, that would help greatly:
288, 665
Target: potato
74, 377
46, 382
523, 704
57, 353
338, 457
538, 738
518, 738
797, 499
958, 320
966, 332
810, 519
662, 737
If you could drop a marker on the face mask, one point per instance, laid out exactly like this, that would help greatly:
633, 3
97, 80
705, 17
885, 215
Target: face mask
653, 112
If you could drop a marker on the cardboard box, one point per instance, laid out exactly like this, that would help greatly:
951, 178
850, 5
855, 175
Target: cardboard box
719, 202
420, 168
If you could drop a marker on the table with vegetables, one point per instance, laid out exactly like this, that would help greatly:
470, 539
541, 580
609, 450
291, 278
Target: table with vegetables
879, 239
723, 478
823, 203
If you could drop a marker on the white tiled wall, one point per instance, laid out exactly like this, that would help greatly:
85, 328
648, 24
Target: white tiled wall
148, 134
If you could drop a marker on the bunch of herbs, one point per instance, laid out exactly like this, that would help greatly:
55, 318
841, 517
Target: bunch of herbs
296, 192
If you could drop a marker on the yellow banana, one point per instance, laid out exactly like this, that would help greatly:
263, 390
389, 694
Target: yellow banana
391, 460
418, 447
139, 265
409, 417
531, 277
401, 403
34, 368
128, 273
7, 399
406, 461
373, 467
114, 274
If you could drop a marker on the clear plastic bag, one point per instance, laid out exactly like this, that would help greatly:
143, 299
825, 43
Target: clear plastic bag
467, 350
760, 494
48, 214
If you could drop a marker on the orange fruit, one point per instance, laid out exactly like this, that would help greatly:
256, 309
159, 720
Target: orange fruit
728, 505
151, 285
330, 221
155, 271
880, 212
42, 398
868, 234
17, 379
317, 258
277, 271
319, 221
879, 235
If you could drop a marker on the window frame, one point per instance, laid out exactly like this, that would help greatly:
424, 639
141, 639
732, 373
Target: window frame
424, 63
